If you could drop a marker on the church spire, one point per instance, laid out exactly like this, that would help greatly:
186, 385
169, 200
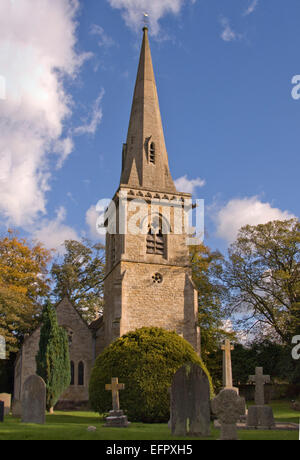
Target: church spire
145, 158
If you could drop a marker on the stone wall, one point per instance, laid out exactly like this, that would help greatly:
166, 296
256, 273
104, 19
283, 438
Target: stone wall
81, 350
132, 297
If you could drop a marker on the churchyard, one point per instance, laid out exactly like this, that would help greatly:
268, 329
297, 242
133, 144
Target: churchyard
196, 413
133, 340
74, 425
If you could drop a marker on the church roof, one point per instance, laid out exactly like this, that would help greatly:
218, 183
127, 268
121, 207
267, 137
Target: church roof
145, 158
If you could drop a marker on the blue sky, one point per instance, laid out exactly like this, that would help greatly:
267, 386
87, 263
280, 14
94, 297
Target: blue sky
224, 72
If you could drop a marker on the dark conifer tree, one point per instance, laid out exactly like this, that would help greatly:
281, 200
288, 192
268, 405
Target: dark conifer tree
53, 361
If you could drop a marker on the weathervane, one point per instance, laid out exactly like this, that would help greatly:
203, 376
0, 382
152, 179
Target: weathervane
146, 19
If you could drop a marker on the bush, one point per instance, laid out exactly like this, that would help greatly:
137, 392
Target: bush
146, 361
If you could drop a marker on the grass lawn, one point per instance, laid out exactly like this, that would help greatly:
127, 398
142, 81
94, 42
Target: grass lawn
73, 426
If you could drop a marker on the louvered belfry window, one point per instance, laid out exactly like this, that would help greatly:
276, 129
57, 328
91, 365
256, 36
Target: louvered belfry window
152, 153
155, 243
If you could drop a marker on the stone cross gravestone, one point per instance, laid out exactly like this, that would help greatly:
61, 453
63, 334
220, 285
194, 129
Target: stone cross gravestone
228, 407
227, 366
114, 387
259, 415
116, 416
34, 400
190, 402
259, 379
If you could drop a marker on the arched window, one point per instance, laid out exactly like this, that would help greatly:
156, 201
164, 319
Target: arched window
72, 373
152, 153
81, 373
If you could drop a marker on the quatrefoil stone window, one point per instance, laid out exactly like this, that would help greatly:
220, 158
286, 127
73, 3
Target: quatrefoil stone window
157, 278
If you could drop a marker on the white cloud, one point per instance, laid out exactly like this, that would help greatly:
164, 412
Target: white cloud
104, 40
228, 34
53, 233
251, 8
90, 127
133, 11
248, 211
37, 50
183, 184
91, 218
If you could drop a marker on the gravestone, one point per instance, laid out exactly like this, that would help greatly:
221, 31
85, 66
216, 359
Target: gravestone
227, 366
259, 379
190, 402
116, 416
228, 407
259, 415
34, 400
16, 408
6, 398
1, 411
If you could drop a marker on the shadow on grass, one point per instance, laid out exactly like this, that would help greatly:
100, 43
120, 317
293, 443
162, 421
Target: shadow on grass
73, 426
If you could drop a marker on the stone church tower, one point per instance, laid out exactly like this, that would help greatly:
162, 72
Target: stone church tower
148, 277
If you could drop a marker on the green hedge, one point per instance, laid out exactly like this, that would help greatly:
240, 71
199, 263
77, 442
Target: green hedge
146, 361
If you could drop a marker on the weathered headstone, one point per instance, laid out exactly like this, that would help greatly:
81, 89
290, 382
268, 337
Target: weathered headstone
16, 408
6, 398
1, 411
116, 416
228, 407
190, 402
259, 379
227, 366
259, 415
34, 400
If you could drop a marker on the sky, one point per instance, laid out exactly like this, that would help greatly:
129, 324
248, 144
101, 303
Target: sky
226, 73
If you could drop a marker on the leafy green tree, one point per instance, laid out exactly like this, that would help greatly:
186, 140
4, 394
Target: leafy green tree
53, 361
80, 276
262, 276
23, 282
275, 358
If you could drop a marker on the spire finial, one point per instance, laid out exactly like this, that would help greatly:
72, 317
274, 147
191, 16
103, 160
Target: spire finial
146, 21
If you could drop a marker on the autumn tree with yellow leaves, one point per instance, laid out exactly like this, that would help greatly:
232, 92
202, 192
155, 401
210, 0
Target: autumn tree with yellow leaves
23, 282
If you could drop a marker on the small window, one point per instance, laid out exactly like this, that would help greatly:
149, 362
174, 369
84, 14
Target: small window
72, 374
81, 374
152, 153
157, 278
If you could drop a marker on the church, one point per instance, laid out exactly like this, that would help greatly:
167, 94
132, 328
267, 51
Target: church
148, 277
